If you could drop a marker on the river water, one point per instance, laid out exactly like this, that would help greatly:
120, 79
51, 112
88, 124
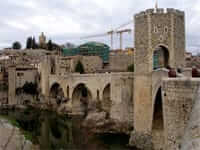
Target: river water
53, 132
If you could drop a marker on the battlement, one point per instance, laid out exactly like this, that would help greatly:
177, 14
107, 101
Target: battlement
160, 11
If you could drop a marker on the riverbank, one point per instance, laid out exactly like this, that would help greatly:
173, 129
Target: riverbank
11, 137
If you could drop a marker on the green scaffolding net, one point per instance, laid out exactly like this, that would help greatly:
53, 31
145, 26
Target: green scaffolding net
90, 49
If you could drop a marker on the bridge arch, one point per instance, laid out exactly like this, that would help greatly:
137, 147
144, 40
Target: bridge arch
106, 97
107, 92
160, 57
80, 97
158, 121
57, 92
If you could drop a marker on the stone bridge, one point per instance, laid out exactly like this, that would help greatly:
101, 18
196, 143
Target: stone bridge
114, 87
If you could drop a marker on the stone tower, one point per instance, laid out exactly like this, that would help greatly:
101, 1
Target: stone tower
42, 39
157, 32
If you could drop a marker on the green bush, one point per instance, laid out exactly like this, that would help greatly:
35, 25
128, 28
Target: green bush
30, 88
3, 87
79, 67
130, 68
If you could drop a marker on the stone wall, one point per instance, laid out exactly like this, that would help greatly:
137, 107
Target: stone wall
178, 99
66, 65
92, 63
122, 105
120, 62
191, 140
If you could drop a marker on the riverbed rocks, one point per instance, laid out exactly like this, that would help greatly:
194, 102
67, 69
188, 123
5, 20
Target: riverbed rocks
141, 140
99, 122
12, 139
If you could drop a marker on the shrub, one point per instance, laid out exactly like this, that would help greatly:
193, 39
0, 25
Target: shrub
130, 68
79, 67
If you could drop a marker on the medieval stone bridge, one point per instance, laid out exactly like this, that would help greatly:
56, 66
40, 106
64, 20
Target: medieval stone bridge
115, 87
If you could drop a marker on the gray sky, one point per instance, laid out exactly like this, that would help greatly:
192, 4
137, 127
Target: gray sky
68, 20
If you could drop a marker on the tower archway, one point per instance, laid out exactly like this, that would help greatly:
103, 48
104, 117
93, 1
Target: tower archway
158, 122
160, 57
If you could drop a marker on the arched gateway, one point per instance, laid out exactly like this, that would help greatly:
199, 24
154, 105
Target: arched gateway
158, 122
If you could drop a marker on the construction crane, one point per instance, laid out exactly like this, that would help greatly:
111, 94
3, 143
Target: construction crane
120, 34
111, 33
100, 35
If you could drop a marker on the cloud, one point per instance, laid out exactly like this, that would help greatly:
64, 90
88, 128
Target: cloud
68, 20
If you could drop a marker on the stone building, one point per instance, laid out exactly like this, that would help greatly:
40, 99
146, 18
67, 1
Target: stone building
17, 77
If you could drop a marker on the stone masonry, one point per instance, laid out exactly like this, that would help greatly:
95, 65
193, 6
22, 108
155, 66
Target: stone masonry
179, 97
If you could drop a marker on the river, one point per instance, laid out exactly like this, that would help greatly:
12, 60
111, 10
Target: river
54, 132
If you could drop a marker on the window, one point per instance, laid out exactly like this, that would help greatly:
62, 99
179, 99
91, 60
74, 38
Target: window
155, 29
160, 58
19, 74
166, 29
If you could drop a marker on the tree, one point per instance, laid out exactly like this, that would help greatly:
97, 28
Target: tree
50, 45
29, 43
30, 88
33, 43
130, 68
16, 45
79, 67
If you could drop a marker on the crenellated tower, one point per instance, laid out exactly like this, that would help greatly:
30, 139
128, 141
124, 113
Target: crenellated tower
159, 43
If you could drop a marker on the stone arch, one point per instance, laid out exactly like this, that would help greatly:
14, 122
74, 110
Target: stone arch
80, 97
160, 57
57, 93
158, 121
107, 92
106, 101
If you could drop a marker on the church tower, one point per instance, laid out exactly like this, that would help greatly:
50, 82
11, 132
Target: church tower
42, 40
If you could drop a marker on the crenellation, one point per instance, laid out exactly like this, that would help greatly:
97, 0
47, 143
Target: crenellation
180, 13
150, 11
170, 10
160, 10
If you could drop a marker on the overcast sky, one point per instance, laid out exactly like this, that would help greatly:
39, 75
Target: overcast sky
68, 20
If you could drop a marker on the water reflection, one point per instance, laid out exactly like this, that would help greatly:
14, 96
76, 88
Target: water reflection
53, 132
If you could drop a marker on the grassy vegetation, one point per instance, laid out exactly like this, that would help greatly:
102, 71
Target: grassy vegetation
27, 135
11, 121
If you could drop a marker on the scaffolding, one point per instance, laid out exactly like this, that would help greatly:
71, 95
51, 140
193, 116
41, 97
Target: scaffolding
90, 49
